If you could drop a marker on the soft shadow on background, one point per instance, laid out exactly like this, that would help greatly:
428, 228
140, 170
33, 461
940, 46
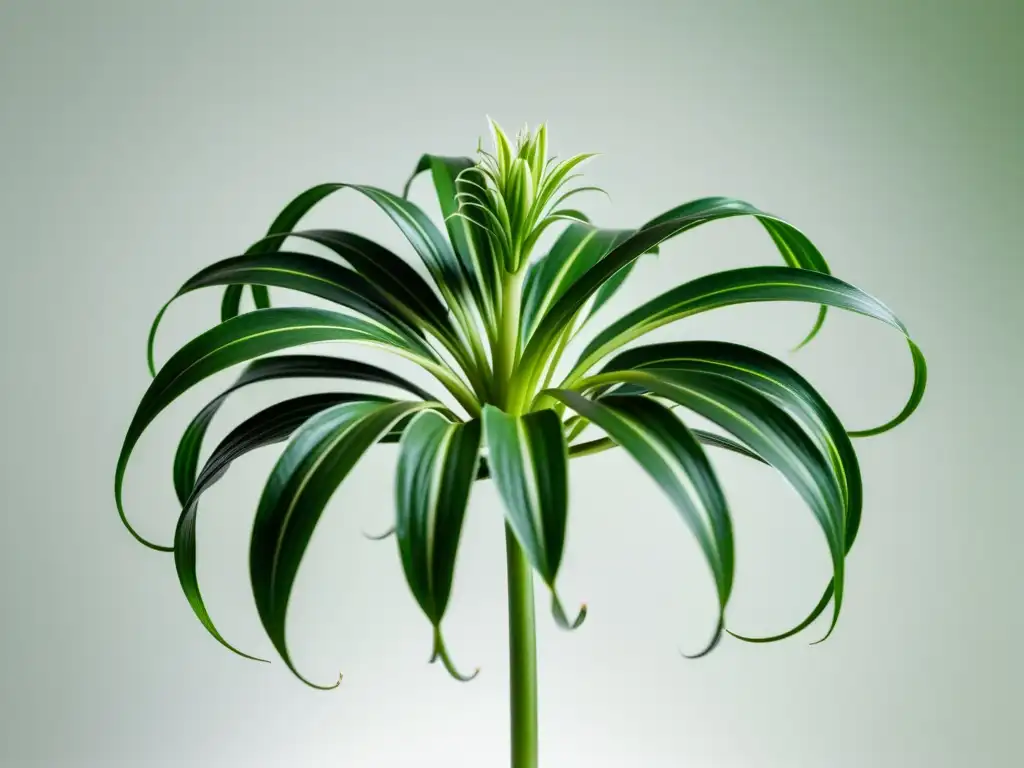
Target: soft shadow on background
140, 141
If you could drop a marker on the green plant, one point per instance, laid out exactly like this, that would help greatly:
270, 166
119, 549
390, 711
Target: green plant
491, 326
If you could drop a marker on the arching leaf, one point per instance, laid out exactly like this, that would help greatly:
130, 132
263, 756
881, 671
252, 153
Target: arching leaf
672, 456
320, 455
436, 469
782, 385
528, 460
239, 340
186, 458
747, 285
269, 426
770, 431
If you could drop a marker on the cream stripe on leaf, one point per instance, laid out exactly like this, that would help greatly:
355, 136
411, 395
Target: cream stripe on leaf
786, 388
528, 461
244, 338
436, 470
269, 426
319, 457
670, 453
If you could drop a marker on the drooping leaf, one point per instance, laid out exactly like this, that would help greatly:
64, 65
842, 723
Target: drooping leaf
269, 426
436, 469
236, 341
528, 460
672, 456
782, 385
770, 431
748, 285
186, 458
320, 455
311, 275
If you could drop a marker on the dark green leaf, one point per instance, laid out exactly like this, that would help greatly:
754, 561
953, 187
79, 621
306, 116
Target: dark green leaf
320, 455
436, 469
186, 459
528, 460
236, 341
267, 427
672, 456
752, 284
575, 251
770, 431
783, 386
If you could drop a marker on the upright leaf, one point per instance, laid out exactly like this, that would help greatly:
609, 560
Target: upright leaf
575, 251
468, 234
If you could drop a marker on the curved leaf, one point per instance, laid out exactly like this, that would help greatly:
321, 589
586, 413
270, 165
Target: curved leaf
312, 275
388, 271
285, 221
644, 240
793, 245
747, 285
436, 469
467, 232
575, 251
528, 460
672, 456
236, 341
267, 427
318, 458
770, 431
186, 458
782, 385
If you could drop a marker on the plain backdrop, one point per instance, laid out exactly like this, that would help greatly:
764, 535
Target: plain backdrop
142, 140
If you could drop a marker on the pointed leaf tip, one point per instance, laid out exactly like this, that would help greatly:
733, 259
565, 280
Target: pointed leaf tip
441, 652
558, 611
715, 640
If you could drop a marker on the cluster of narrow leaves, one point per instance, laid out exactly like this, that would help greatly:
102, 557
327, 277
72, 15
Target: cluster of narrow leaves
491, 323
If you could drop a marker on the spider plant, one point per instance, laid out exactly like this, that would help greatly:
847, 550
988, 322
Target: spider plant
491, 322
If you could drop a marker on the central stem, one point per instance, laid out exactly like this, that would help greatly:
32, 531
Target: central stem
522, 655
508, 339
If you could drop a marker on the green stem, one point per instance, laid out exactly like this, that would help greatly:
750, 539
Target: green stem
508, 339
522, 655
